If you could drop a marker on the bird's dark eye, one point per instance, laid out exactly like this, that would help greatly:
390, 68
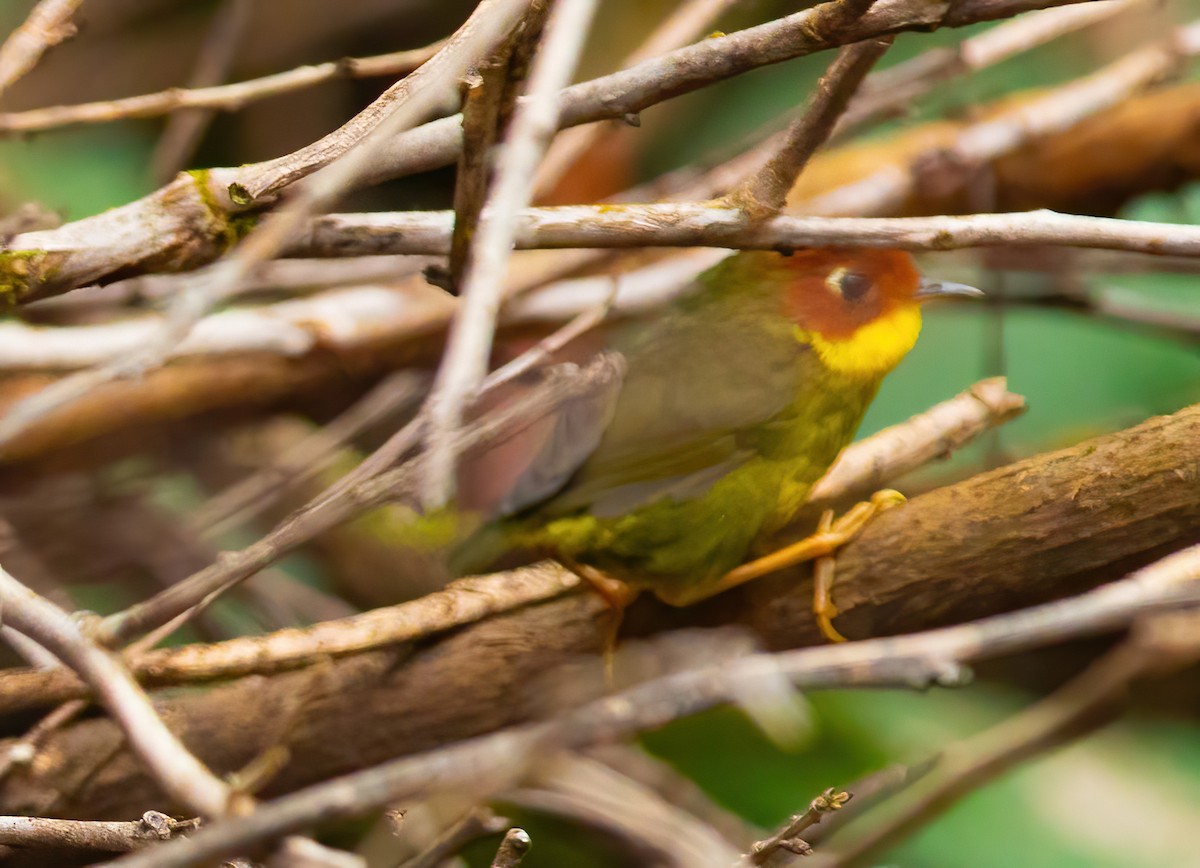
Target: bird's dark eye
850, 285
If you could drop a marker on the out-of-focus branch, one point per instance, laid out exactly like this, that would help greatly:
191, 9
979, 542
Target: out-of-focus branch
682, 26
883, 192
1159, 644
184, 131
891, 90
223, 97
877, 461
46, 26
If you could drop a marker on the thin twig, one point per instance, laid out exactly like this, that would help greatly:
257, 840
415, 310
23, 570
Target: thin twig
248, 498
225, 97
512, 849
468, 347
177, 771
788, 837
48, 24
702, 225
114, 837
888, 91
478, 823
462, 602
765, 192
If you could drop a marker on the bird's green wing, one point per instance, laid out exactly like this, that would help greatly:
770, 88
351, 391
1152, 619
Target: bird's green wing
695, 391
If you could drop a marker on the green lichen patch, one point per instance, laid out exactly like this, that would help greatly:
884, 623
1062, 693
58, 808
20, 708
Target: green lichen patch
22, 272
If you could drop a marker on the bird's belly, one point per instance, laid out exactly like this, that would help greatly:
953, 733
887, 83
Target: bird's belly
676, 548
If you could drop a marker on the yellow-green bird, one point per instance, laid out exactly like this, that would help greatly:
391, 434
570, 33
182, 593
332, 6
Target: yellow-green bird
731, 403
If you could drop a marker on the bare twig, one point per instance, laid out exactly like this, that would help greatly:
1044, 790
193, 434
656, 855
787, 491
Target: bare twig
1059, 109
177, 771
512, 849
462, 602
869, 464
788, 837
587, 791
886, 92
491, 761
225, 97
46, 26
249, 497
464, 364
490, 94
700, 224
115, 837
765, 192
478, 823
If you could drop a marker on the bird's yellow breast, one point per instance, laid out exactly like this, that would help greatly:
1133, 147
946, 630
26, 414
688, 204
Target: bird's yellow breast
875, 348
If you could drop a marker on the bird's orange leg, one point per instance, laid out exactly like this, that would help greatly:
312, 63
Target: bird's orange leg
829, 537
619, 596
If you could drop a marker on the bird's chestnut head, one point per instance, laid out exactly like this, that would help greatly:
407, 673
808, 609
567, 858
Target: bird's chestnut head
859, 308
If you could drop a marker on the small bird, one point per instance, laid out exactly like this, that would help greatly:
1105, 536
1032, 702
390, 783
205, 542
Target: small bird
730, 404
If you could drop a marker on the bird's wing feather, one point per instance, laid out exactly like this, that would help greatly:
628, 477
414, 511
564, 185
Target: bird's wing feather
535, 459
682, 416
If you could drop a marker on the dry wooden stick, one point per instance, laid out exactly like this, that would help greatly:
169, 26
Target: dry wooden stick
462, 602
688, 224
764, 193
223, 97
114, 837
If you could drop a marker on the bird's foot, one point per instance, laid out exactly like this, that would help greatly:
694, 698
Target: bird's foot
830, 536
618, 594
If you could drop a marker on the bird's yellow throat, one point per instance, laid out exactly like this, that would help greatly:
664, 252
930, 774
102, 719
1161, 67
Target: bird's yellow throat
872, 350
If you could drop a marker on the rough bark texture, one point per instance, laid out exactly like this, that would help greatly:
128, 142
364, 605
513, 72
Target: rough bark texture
1037, 529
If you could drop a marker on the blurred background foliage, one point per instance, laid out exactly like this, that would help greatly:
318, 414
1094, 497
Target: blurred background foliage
1136, 785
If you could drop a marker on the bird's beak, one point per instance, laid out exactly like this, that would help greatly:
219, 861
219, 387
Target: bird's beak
930, 289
